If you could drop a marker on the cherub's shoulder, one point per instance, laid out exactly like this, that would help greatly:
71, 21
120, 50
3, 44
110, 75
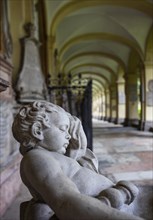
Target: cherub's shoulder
39, 159
39, 166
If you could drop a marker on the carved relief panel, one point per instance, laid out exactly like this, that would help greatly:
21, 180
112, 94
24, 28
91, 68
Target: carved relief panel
31, 83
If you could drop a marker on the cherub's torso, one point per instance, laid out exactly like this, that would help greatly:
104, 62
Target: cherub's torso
87, 181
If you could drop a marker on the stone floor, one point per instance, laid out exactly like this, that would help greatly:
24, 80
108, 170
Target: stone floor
123, 153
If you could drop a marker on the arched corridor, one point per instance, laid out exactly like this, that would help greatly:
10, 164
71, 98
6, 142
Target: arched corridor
94, 58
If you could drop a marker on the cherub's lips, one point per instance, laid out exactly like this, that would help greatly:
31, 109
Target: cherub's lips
66, 145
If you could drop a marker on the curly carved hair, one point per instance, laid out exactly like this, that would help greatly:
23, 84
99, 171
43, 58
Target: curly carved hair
36, 112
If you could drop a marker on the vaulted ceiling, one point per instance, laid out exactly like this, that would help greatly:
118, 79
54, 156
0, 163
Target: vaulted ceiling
96, 37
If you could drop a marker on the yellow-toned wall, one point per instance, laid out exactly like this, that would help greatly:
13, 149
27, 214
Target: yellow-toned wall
149, 76
121, 111
107, 104
121, 92
149, 73
131, 79
149, 114
103, 105
97, 110
133, 105
114, 112
113, 101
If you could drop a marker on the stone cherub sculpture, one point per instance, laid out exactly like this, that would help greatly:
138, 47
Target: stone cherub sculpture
61, 173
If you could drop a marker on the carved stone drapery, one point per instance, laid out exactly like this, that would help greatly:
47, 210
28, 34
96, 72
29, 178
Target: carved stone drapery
31, 83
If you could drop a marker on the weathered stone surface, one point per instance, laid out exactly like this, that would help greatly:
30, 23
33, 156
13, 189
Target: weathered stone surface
31, 83
61, 172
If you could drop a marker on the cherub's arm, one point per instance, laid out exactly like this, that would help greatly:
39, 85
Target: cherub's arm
61, 194
77, 148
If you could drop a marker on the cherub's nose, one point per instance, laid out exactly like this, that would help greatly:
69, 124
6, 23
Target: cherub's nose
68, 136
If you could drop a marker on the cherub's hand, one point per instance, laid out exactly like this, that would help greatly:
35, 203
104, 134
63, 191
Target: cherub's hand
123, 192
78, 141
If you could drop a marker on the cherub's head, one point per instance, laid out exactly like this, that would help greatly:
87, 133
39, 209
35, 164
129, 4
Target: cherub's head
44, 124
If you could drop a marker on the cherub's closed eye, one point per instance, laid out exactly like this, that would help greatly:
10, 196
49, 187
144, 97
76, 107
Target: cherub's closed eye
63, 127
